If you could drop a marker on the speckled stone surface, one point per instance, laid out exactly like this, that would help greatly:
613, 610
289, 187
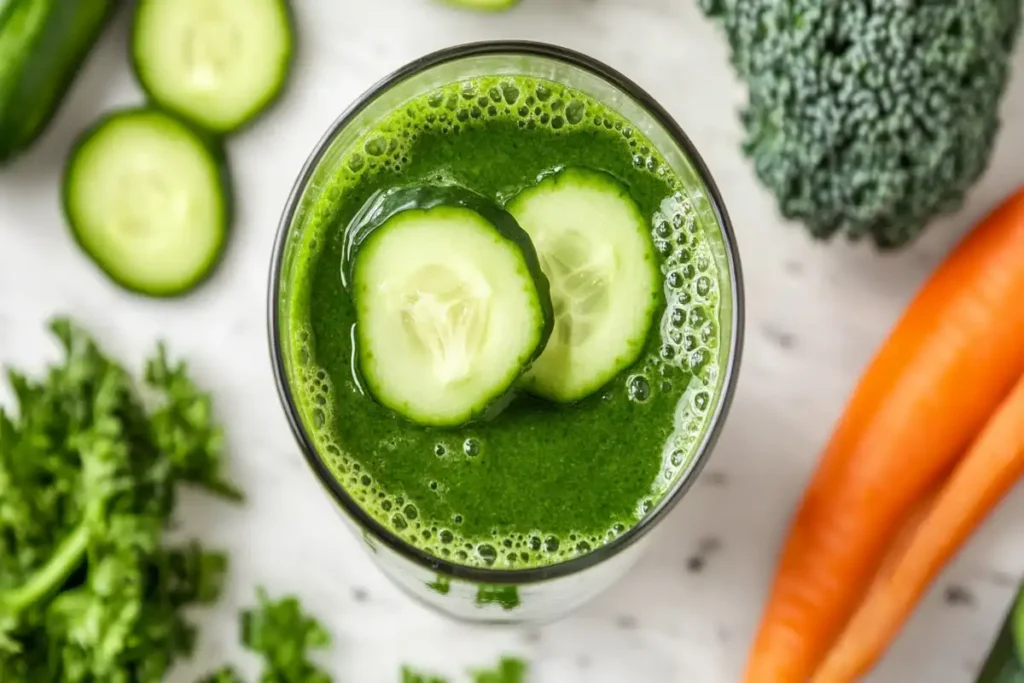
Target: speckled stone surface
688, 610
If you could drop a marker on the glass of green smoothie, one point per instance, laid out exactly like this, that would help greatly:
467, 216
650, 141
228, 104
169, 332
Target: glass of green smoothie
506, 320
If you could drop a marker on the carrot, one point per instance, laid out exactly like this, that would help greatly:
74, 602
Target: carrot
989, 470
950, 360
896, 551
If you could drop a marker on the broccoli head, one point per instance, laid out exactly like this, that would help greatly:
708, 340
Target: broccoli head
869, 117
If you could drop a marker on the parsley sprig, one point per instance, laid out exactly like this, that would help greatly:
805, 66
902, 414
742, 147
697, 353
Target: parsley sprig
90, 467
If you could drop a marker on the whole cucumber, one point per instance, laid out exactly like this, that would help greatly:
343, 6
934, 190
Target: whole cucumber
1003, 664
43, 43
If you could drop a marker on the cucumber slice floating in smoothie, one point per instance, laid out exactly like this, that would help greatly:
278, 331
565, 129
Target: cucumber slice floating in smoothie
148, 201
217, 63
595, 247
451, 304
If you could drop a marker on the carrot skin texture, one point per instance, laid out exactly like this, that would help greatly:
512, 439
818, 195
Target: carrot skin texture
987, 473
955, 353
892, 557
896, 551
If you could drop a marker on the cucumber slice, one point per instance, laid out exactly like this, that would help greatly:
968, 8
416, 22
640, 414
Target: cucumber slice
451, 303
147, 199
485, 5
217, 63
595, 248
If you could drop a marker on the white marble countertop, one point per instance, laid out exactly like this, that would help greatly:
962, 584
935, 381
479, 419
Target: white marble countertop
815, 314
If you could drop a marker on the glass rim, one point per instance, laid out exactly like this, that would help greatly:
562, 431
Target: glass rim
670, 498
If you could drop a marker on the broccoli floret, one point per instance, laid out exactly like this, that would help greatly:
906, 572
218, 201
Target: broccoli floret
869, 117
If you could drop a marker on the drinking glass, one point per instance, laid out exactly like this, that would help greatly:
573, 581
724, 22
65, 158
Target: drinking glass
472, 593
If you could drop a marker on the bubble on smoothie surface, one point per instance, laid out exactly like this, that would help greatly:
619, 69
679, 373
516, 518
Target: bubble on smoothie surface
639, 389
376, 146
551, 105
487, 553
575, 112
403, 518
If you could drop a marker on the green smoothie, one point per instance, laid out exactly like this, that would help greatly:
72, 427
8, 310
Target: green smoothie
537, 481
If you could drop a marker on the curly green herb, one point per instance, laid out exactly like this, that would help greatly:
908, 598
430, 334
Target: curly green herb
89, 472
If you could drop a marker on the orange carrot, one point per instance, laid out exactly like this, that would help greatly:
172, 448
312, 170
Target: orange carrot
953, 356
896, 550
989, 470
894, 554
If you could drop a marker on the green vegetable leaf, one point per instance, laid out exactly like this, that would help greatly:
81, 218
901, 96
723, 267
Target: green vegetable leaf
223, 675
509, 670
410, 676
184, 429
1003, 663
1016, 623
283, 634
88, 479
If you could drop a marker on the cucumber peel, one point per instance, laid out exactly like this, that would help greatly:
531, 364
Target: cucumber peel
43, 45
1003, 662
148, 200
217, 63
451, 303
595, 247
1017, 624
483, 5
